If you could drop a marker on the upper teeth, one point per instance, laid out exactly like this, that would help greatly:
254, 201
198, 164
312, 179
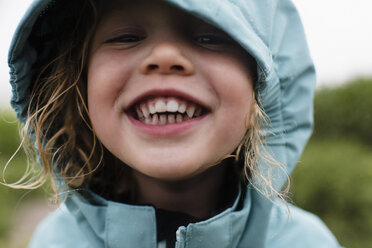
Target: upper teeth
191, 110
172, 106
162, 105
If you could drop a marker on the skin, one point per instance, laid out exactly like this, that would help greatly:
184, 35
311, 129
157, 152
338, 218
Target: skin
153, 46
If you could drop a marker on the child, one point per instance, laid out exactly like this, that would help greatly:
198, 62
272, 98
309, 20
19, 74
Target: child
148, 118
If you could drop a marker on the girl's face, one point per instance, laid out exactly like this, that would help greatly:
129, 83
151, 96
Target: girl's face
168, 94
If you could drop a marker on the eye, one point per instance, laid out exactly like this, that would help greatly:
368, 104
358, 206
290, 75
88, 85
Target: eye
126, 38
212, 40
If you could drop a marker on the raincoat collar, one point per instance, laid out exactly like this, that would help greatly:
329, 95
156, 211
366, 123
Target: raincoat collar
112, 224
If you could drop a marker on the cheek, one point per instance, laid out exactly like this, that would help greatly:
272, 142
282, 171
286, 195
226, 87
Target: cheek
108, 73
103, 87
229, 75
234, 87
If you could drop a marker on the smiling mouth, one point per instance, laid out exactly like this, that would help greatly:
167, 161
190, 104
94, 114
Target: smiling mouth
165, 110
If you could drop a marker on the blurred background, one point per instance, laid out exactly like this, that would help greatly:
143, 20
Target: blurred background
333, 178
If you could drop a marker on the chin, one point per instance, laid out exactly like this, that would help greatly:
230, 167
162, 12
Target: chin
168, 171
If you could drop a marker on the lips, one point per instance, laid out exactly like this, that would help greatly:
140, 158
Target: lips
163, 110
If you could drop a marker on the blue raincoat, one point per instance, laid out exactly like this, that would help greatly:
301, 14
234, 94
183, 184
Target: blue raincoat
269, 30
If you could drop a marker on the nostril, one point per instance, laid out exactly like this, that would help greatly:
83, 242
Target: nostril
177, 67
167, 65
152, 67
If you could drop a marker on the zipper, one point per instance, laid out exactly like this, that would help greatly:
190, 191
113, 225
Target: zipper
180, 237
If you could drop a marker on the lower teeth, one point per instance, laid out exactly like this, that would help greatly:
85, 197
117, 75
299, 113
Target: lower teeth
164, 119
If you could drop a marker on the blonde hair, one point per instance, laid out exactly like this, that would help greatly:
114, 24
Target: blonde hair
253, 148
61, 132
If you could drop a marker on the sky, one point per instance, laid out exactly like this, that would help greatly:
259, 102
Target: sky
339, 34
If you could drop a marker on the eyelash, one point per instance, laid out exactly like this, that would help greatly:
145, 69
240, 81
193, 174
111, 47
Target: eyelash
214, 40
127, 38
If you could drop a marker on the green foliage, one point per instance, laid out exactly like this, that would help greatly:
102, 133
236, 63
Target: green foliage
9, 137
345, 111
11, 199
333, 180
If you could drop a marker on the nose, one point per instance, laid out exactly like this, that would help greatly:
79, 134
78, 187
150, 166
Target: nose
167, 58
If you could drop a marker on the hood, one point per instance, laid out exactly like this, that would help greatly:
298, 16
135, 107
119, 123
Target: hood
269, 30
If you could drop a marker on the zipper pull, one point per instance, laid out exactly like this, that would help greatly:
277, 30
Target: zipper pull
180, 237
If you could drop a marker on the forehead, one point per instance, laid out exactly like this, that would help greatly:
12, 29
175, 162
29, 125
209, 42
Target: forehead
148, 11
